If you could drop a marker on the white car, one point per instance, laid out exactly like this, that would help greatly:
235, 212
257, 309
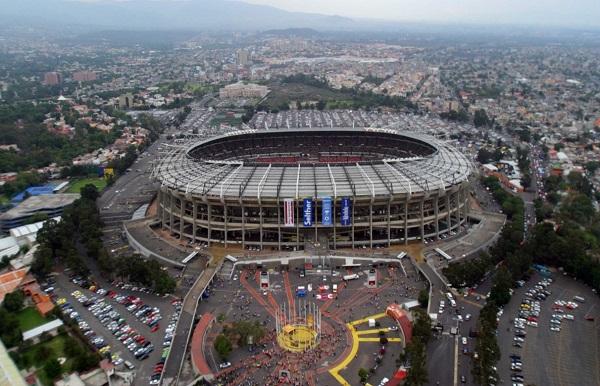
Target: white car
557, 329
464, 340
225, 365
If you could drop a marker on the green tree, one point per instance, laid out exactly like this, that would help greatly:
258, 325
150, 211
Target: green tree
53, 369
42, 353
223, 346
502, 283
10, 332
89, 192
423, 298
363, 374
592, 166
481, 118
13, 301
417, 373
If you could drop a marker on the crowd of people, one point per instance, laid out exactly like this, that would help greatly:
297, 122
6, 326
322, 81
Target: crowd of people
270, 364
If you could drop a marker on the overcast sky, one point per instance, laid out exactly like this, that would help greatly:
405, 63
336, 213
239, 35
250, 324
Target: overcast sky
537, 12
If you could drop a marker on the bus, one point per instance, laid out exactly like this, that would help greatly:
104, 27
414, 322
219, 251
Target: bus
443, 254
350, 277
578, 299
189, 257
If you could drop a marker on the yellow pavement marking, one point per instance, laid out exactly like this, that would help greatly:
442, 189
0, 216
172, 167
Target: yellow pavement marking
366, 319
335, 372
377, 339
372, 331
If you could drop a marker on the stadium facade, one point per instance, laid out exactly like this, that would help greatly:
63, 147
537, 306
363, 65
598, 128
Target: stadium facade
281, 188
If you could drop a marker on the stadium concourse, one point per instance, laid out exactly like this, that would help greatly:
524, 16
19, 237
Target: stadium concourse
342, 187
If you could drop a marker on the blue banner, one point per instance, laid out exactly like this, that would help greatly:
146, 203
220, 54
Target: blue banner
346, 217
307, 212
326, 211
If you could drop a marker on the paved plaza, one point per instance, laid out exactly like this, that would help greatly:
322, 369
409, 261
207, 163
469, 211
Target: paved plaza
346, 342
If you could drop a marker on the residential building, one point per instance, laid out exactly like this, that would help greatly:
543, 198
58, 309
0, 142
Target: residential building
84, 76
52, 78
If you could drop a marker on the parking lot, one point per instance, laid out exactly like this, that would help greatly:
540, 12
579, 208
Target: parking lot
125, 324
357, 118
556, 349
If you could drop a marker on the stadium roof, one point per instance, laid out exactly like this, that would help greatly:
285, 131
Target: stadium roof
441, 169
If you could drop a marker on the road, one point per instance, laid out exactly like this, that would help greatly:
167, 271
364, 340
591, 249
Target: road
445, 358
184, 326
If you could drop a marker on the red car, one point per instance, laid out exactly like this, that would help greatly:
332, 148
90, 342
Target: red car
590, 318
155, 328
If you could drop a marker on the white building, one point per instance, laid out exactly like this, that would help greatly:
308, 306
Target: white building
241, 90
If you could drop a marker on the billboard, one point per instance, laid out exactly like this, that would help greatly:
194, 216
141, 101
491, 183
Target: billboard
307, 212
326, 211
346, 217
288, 212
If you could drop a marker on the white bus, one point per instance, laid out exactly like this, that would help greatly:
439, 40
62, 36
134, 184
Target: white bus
350, 277
189, 258
443, 254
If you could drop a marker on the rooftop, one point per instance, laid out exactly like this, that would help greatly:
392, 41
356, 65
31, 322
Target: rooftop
39, 330
35, 204
421, 164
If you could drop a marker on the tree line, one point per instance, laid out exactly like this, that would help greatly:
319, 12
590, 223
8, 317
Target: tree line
79, 235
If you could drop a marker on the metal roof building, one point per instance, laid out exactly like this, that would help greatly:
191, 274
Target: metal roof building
350, 186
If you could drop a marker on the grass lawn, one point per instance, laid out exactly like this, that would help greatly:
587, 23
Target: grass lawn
56, 350
288, 92
76, 186
29, 318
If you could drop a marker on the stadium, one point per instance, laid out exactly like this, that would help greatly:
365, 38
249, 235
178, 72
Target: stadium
282, 188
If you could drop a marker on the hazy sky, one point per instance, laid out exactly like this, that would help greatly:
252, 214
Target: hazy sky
538, 12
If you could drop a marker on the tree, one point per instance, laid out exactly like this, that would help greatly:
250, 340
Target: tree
502, 283
85, 362
423, 298
13, 301
363, 374
10, 332
480, 118
89, 192
592, 166
223, 346
42, 353
417, 373
53, 369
